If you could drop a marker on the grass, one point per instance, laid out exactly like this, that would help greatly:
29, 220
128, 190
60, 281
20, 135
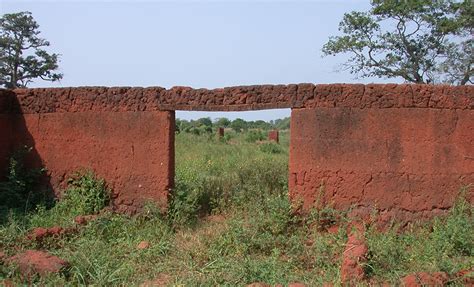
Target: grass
229, 224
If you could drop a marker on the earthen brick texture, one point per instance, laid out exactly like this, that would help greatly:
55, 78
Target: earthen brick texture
401, 149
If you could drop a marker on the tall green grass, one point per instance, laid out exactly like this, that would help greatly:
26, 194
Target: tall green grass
230, 223
215, 176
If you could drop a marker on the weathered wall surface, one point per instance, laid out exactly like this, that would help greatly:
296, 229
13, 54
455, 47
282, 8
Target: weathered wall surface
407, 160
132, 150
404, 149
243, 98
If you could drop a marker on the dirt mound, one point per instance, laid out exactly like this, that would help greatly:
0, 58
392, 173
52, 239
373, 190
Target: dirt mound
41, 233
354, 256
37, 262
466, 276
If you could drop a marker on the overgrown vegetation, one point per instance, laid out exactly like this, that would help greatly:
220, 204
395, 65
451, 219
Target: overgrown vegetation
230, 223
19, 192
445, 244
86, 194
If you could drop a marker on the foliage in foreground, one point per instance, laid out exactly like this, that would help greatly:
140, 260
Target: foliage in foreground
86, 194
231, 224
19, 192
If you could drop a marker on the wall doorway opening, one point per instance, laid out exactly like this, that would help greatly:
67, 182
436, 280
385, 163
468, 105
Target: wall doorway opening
228, 161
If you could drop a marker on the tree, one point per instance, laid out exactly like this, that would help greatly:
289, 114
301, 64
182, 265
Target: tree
282, 124
222, 122
22, 58
204, 122
421, 41
238, 125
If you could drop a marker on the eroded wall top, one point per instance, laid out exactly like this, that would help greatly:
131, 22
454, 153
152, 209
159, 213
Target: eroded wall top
240, 98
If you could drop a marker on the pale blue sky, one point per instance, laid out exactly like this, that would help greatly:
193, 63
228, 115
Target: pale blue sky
206, 44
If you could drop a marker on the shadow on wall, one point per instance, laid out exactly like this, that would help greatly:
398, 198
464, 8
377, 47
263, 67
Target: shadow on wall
14, 137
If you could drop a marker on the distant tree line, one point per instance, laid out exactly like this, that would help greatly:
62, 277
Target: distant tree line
206, 125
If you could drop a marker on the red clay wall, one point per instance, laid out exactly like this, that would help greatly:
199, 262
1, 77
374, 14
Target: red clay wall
243, 98
401, 148
397, 160
132, 151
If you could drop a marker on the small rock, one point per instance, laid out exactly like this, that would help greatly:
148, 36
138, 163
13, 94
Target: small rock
425, 279
34, 261
143, 245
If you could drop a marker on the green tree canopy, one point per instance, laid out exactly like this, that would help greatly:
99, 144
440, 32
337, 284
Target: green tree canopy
204, 122
421, 41
222, 122
22, 58
238, 125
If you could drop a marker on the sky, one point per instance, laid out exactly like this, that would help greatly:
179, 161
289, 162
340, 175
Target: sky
201, 44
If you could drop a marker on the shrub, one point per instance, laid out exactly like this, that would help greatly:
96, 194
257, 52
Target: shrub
86, 194
254, 135
271, 148
184, 204
445, 244
20, 191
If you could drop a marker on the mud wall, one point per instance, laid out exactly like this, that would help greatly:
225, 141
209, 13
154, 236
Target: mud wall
404, 149
399, 161
132, 150
242, 98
